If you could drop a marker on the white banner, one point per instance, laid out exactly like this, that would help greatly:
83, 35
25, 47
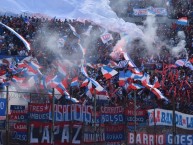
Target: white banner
150, 11
165, 117
106, 37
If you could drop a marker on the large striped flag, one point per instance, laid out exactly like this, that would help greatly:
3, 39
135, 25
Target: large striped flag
108, 72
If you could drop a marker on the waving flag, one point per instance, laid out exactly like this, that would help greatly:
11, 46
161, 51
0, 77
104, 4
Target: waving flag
108, 72
42, 84
34, 65
74, 82
103, 95
21, 65
122, 78
83, 71
189, 65
62, 69
74, 31
158, 94
131, 64
31, 82
85, 83
67, 97
180, 62
17, 79
60, 89
29, 72
112, 64
89, 90
55, 81
123, 64
133, 86
98, 87
182, 21
145, 83
131, 75
100, 95
7, 61
156, 83
27, 45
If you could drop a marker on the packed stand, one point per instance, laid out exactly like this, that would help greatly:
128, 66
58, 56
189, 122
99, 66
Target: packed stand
51, 38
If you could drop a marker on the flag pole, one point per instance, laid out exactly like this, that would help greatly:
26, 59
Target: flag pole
94, 116
173, 120
135, 117
53, 117
155, 141
28, 122
7, 116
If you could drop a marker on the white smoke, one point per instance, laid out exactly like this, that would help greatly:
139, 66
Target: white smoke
180, 50
150, 32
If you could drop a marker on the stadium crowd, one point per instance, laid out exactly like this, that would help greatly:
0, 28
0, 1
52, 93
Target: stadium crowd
51, 38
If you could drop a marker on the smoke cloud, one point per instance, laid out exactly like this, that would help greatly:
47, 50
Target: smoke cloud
180, 51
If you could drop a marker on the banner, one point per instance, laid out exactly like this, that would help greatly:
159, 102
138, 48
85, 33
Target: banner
140, 116
39, 111
160, 139
73, 112
18, 112
150, 11
114, 133
112, 114
90, 136
165, 117
19, 131
146, 139
3, 105
68, 134
106, 37
180, 139
17, 108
